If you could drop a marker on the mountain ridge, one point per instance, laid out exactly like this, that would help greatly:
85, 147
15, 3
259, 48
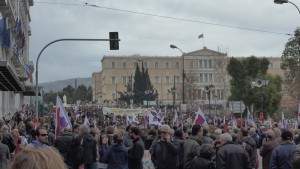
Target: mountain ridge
57, 86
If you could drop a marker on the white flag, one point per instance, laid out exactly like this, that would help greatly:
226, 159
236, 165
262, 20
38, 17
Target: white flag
283, 121
152, 119
128, 121
250, 119
175, 118
135, 119
86, 121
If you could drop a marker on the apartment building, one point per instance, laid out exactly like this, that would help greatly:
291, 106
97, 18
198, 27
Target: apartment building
15, 68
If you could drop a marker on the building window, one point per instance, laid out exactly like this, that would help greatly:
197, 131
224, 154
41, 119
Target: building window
145, 65
205, 78
210, 78
113, 80
113, 65
271, 65
124, 65
201, 78
177, 79
205, 64
192, 65
156, 79
210, 63
200, 64
177, 65
124, 79
167, 79
167, 65
113, 95
156, 65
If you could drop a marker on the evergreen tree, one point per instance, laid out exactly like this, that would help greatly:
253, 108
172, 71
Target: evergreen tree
142, 88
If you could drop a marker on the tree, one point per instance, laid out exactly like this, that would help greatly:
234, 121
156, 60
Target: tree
291, 65
265, 98
142, 88
81, 93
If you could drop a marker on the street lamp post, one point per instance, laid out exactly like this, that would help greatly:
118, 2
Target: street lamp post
208, 90
37, 63
173, 91
286, 1
148, 92
183, 75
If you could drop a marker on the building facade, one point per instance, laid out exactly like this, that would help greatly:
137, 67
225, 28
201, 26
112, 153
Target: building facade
15, 68
201, 68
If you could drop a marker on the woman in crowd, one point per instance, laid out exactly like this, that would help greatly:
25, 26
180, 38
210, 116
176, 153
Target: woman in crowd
17, 139
116, 155
103, 144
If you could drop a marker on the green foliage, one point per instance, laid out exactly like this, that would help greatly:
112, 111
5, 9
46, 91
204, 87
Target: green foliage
141, 84
265, 98
291, 65
81, 93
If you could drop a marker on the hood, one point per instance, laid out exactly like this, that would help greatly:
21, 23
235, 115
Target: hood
249, 140
118, 147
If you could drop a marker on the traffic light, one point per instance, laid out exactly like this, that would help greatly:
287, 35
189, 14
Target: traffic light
114, 40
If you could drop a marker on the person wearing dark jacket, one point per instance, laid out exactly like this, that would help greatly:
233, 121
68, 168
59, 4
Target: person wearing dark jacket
191, 146
89, 147
231, 155
267, 148
249, 145
116, 155
178, 137
103, 144
4, 154
281, 155
7, 138
150, 138
204, 161
262, 136
165, 152
75, 153
63, 143
136, 153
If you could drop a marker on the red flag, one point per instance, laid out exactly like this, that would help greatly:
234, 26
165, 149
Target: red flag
61, 120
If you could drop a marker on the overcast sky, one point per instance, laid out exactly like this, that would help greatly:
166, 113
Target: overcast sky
149, 35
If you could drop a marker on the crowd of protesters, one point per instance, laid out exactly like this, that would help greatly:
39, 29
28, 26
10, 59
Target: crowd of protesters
109, 143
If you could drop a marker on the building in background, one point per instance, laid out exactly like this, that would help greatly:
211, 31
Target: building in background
202, 68
15, 68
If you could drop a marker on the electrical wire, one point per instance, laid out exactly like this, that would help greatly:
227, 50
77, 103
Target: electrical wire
166, 17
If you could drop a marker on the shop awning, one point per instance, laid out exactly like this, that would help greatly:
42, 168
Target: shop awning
8, 80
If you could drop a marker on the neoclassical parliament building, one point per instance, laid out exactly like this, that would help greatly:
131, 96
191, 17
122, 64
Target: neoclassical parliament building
202, 68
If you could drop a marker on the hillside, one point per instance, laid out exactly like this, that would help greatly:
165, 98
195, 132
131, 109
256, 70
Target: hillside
60, 84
